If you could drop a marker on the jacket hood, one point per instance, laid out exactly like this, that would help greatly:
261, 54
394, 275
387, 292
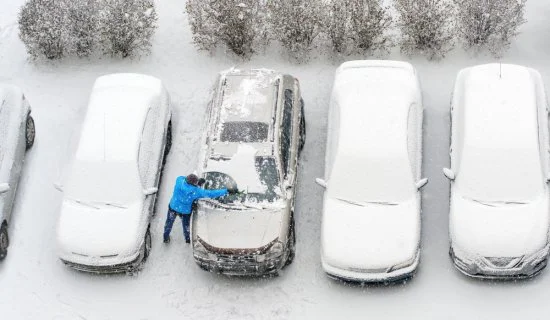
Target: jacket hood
499, 230
106, 231
370, 236
229, 228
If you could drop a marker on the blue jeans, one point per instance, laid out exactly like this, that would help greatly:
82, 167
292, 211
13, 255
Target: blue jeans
171, 217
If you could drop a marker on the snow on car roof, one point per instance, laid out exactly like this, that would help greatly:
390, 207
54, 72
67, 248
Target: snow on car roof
373, 98
116, 113
502, 94
248, 96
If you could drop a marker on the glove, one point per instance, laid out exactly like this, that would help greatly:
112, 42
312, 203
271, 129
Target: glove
233, 191
201, 182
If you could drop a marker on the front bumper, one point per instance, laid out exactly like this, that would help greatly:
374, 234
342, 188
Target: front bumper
239, 265
482, 268
372, 276
95, 265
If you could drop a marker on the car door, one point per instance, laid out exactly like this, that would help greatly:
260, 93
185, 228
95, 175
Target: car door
288, 140
146, 160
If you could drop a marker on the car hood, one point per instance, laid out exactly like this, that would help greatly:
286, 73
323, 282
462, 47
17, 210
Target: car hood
369, 237
230, 228
107, 231
498, 230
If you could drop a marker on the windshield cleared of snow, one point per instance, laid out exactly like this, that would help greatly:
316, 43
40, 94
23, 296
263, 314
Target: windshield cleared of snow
115, 183
505, 175
266, 169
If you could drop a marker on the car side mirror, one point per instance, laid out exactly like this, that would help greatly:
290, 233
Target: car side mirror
150, 191
449, 174
321, 182
4, 187
420, 184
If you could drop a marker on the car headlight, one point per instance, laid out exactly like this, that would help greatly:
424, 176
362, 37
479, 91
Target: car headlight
199, 249
275, 251
402, 265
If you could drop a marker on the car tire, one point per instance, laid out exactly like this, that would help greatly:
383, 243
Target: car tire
147, 244
30, 132
168, 145
4, 241
302, 142
291, 243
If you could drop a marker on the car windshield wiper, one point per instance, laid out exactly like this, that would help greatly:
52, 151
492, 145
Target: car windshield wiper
495, 203
87, 204
116, 205
218, 157
383, 203
351, 202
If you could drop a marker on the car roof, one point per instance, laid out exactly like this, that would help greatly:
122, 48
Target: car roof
116, 113
246, 96
499, 96
373, 99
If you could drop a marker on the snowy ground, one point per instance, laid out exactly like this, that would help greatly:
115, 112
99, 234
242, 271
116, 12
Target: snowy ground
35, 285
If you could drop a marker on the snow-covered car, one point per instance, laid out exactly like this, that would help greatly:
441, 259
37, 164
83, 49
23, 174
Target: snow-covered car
372, 202
17, 134
255, 131
112, 185
499, 210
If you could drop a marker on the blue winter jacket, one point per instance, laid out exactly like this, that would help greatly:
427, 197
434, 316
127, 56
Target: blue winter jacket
185, 193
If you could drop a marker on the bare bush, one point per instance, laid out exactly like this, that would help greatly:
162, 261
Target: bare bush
126, 26
489, 24
43, 28
82, 27
235, 23
295, 24
359, 26
426, 26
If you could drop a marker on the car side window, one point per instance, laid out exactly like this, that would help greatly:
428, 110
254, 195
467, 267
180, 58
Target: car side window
412, 139
286, 130
333, 136
145, 150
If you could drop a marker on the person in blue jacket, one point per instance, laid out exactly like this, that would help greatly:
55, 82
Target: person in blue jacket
186, 191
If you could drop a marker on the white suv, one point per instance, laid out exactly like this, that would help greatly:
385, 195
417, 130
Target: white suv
112, 186
373, 167
499, 210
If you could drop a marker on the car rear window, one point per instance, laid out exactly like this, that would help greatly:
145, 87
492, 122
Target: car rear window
244, 131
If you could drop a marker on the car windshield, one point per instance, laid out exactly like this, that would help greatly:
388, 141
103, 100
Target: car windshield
361, 180
244, 131
500, 175
266, 168
113, 183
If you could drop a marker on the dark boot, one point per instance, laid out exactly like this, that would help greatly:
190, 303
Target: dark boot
167, 239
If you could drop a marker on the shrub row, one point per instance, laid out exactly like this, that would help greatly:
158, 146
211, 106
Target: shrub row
429, 27
59, 28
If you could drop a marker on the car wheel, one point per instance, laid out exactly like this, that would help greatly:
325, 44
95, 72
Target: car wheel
168, 140
302, 132
30, 132
4, 241
291, 243
147, 244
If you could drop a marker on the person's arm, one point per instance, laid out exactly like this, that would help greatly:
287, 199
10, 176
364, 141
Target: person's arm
213, 193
